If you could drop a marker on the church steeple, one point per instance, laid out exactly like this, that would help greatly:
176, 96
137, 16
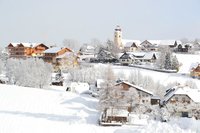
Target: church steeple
118, 37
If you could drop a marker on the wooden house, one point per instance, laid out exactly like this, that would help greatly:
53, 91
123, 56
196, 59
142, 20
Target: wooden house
195, 71
144, 56
126, 59
51, 54
184, 100
137, 57
128, 97
150, 45
131, 45
38, 50
144, 96
24, 50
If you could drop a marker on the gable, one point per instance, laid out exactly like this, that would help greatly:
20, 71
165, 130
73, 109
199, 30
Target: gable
127, 85
125, 56
10, 45
197, 69
134, 45
146, 43
20, 45
42, 45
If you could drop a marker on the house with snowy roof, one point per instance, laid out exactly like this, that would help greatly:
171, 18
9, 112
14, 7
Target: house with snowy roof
195, 70
23, 50
51, 54
183, 47
182, 101
67, 60
144, 96
135, 57
126, 59
145, 56
105, 56
131, 45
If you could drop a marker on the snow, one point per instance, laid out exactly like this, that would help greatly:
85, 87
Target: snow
26, 44
194, 94
79, 87
187, 60
31, 110
53, 50
117, 112
137, 87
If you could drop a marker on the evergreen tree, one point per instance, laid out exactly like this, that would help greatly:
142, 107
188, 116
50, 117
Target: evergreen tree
175, 63
168, 61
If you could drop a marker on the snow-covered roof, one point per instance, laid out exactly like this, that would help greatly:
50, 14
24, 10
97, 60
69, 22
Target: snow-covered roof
164, 42
79, 87
194, 94
142, 55
149, 56
117, 112
154, 42
128, 43
167, 42
90, 47
53, 50
178, 42
135, 86
126, 56
66, 54
25, 44
3, 77
194, 65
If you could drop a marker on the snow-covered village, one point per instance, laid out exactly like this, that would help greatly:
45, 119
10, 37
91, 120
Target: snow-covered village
126, 78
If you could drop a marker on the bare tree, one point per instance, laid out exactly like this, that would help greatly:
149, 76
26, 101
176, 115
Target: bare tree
106, 93
184, 40
29, 73
72, 44
1, 60
191, 84
112, 47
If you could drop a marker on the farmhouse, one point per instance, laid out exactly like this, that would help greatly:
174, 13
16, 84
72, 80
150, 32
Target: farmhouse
131, 45
195, 71
51, 54
184, 100
23, 50
144, 96
137, 57
126, 59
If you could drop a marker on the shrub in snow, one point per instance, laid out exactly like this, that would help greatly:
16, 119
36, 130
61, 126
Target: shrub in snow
30, 72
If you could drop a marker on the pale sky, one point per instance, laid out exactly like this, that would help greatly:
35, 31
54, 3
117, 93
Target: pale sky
52, 21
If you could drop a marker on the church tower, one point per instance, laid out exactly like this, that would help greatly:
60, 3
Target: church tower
118, 37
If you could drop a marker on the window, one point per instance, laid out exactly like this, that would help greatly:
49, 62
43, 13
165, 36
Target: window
143, 101
176, 98
183, 99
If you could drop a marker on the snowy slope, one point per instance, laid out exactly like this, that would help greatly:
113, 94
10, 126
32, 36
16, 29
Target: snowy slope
186, 60
31, 110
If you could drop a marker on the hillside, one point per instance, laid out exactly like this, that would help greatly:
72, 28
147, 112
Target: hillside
31, 110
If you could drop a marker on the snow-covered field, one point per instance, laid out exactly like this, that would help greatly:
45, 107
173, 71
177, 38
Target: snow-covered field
32, 110
186, 60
